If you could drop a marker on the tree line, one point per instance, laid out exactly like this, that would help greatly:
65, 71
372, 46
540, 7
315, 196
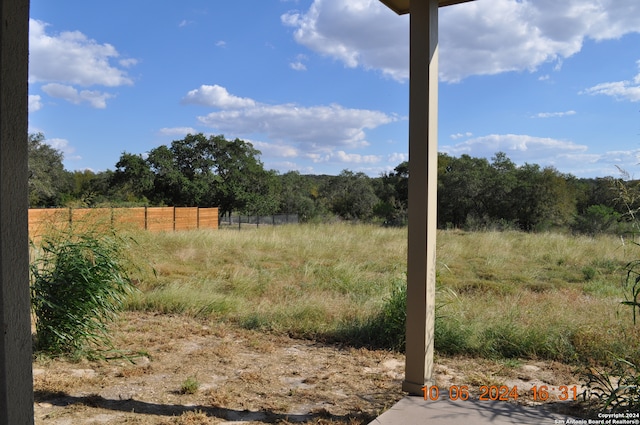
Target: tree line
473, 193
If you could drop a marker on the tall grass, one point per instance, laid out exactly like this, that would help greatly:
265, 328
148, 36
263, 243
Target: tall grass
79, 281
546, 296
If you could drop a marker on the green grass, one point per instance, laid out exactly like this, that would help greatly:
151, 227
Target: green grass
516, 295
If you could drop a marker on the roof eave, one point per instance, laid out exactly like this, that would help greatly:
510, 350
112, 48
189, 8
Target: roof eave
401, 7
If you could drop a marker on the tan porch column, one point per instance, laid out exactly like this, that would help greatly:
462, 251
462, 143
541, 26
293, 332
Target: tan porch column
423, 167
16, 387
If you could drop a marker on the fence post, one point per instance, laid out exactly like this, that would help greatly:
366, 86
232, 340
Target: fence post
146, 218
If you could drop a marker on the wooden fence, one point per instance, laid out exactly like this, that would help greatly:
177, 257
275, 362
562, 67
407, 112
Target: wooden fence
155, 219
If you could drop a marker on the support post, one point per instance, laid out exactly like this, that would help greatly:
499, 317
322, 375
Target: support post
16, 383
423, 174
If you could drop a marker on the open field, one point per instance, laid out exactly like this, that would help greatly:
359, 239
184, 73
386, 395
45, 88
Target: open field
506, 294
270, 326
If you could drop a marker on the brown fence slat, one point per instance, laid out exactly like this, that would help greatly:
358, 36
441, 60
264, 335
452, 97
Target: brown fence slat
186, 218
156, 219
95, 219
42, 221
133, 218
208, 218
160, 219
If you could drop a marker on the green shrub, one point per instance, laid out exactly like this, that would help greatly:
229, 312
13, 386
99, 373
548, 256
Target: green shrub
78, 284
595, 220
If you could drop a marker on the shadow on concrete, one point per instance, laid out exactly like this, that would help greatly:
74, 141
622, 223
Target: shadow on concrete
147, 408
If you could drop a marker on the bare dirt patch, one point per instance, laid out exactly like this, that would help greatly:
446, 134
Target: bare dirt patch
190, 371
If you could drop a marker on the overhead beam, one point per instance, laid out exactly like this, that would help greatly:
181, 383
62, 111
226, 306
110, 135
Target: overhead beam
402, 7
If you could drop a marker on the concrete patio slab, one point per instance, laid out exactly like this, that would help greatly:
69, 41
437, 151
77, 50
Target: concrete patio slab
416, 410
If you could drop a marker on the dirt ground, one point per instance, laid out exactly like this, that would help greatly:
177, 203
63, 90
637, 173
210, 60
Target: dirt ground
189, 371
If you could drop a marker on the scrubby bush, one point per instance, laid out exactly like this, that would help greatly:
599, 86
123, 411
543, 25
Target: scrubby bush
78, 284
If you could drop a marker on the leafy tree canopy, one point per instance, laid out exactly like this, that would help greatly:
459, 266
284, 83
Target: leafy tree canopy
47, 177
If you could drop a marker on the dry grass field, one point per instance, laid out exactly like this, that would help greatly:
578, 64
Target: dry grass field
261, 326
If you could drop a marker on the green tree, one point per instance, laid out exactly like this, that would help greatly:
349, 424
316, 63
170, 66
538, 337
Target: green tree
90, 189
501, 182
297, 196
170, 185
133, 178
242, 182
201, 171
393, 191
48, 180
462, 191
543, 198
351, 196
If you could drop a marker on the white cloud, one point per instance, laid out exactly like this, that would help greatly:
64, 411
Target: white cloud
63, 146
221, 43
566, 156
518, 147
279, 150
358, 33
128, 63
461, 135
217, 97
35, 102
73, 58
319, 134
354, 158
621, 90
397, 158
177, 131
477, 38
298, 64
554, 114
95, 98
319, 128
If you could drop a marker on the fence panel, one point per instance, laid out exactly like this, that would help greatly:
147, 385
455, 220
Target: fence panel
156, 219
42, 221
160, 219
208, 218
96, 219
134, 218
186, 218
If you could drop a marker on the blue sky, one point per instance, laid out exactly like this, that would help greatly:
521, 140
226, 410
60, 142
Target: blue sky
320, 86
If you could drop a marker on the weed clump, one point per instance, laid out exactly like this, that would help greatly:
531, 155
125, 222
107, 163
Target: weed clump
190, 386
79, 281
